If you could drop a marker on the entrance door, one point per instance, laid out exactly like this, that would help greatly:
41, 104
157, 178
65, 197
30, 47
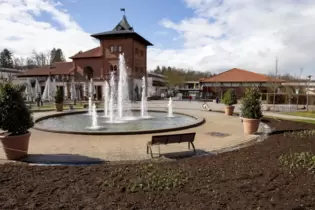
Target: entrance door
99, 92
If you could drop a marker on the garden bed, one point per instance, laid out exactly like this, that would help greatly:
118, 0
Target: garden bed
255, 177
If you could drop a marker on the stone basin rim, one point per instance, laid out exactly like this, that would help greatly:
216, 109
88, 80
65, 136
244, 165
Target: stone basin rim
199, 121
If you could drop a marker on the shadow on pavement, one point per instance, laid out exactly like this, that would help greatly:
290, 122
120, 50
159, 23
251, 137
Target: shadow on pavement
61, 159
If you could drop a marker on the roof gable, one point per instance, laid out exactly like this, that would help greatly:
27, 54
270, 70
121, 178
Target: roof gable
92, 53
122, 30
240, 75
123, 25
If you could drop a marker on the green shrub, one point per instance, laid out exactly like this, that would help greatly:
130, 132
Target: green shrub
59, 97
251, 104
15, 117
229, 97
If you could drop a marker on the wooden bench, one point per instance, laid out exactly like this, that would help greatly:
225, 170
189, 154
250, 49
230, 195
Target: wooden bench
171, 139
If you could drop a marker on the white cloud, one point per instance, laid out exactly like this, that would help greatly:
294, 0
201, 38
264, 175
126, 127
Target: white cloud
252, 32
22, 32
220, 35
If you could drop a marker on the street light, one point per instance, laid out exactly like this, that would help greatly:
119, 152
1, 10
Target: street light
307, 90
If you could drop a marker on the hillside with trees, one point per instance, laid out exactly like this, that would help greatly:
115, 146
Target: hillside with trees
178, 76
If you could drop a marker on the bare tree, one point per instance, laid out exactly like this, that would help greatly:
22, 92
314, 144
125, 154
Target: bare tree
19, 63
41, 58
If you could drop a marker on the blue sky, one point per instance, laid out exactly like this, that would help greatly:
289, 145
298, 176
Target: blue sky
244, 35
144, 15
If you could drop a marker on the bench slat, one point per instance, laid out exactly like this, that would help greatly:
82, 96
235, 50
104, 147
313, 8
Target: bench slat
174, 138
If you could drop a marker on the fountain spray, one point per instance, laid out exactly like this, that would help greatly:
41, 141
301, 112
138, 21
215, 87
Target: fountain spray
94, 117
144, 112
106, 89
111, 97
170, 107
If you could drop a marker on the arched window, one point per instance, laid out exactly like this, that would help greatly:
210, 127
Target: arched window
88, 72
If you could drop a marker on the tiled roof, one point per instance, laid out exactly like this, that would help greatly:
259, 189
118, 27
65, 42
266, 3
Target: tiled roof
240, 75
122, 30
58, 68
123, 34
92, 53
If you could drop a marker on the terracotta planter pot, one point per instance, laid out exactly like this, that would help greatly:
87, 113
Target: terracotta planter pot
250, 125
59, 107
16, 147
229, 110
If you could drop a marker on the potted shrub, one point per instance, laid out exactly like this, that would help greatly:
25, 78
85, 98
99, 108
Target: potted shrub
15, 120
251, 110
59, 100
229, 99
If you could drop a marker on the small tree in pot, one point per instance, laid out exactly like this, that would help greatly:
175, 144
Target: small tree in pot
15, 120
251, 110
229, 99
59, 100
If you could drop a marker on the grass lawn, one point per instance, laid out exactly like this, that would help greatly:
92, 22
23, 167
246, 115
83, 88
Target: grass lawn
301, 114
295, 120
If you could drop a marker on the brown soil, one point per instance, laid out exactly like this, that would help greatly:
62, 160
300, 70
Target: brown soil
250, 178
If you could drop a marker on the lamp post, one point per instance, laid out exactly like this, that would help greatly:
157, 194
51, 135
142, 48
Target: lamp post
307, 90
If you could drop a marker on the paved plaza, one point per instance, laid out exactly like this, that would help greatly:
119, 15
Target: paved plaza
50, 147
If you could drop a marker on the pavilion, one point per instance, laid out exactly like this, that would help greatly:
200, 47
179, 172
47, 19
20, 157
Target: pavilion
238, 79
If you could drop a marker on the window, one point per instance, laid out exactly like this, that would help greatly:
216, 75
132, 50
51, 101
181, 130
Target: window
115, 68
111, 68
115, 48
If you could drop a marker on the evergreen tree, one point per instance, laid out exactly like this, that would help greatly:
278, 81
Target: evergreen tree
56, 55
6, 59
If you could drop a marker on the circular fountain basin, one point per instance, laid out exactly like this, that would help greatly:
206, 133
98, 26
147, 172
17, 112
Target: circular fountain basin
78, 122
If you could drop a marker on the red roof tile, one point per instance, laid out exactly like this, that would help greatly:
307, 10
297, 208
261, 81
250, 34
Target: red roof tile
240, 75
92, 53
58, 68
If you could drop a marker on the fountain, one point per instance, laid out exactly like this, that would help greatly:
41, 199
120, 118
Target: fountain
94, 118
90, 106
144, 106
111, 97
118, 112
123, 102
170, 107
105, 89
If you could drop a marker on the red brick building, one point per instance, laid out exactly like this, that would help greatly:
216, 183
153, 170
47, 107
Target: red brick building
97, 63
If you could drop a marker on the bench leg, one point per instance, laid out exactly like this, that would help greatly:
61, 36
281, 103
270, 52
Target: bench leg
193, 146
149, 148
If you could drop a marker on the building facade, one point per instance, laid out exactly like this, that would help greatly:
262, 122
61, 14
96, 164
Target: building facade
8, 74
157, 85
99, 62
189, 88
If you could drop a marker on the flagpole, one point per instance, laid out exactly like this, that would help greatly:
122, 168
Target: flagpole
123, 10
